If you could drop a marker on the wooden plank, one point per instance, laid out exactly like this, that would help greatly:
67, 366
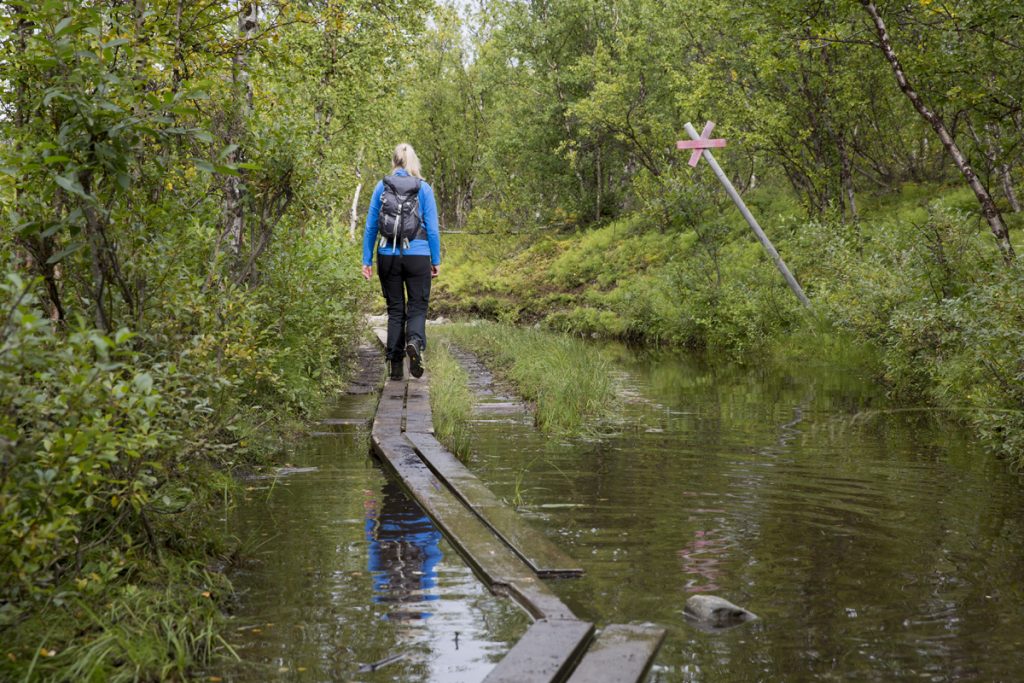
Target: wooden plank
542, 556
537, 599
488, 556
382, 335
418, 417
546, 652
622, 653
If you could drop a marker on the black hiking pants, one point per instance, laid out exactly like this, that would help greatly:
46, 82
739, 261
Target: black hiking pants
405, 281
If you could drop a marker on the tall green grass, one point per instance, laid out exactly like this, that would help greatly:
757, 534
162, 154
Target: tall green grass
568, 381
451, 400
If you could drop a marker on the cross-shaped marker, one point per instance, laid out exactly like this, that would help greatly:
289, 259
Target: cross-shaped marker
701, 144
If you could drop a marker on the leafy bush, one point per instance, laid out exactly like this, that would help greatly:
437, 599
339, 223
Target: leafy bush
88, 436
116, 448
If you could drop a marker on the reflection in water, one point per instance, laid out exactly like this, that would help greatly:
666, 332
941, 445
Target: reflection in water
702, 559
403, 552
881, 550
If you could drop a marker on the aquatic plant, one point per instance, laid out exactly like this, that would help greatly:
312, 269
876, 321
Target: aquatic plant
451, 401
567, 380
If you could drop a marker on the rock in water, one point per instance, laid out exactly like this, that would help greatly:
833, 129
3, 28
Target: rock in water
710, 612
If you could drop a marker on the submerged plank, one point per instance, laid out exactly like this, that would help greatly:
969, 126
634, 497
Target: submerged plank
543, 556
537, 599
546, 652
344, 421
622, 653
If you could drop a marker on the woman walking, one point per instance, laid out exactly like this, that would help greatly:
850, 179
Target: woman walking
402, 225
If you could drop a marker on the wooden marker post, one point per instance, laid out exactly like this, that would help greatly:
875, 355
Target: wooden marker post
701, 145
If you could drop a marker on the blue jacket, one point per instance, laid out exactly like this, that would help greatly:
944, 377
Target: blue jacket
428, 215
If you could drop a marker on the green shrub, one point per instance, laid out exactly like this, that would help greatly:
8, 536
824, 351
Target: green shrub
118, 448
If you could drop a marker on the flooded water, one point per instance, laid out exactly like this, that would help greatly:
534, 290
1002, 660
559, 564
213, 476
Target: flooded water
873, 544
347, 579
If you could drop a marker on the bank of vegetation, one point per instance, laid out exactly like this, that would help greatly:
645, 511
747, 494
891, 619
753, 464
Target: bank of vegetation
880, 144
178, 287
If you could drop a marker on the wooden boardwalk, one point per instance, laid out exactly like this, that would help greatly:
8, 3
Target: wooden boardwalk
507, 554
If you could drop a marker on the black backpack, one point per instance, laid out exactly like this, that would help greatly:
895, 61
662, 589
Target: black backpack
399, 219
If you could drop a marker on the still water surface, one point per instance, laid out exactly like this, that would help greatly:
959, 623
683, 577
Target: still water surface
874, 545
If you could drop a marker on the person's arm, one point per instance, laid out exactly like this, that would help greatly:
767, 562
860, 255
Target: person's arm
429, 209
370, 234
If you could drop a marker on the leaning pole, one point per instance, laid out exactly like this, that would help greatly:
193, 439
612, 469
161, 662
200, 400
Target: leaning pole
701, 144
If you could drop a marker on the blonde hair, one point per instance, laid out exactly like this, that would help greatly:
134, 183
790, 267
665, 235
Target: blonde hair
405, 157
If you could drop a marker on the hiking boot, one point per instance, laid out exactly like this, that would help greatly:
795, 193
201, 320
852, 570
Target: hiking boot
396, 369
415, 353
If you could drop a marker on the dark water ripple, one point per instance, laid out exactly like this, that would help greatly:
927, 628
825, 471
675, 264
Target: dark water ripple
874, 545
888, 548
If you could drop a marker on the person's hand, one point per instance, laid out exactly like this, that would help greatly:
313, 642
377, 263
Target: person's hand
367, 272
435, 271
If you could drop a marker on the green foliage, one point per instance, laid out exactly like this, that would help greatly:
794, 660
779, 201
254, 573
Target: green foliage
104, 475
916, 280
173, 178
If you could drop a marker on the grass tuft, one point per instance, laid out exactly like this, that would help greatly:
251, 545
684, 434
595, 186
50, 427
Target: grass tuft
567, 380
451, 401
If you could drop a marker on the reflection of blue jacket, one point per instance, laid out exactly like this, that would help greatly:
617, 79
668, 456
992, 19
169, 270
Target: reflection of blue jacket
428, 215
403, 550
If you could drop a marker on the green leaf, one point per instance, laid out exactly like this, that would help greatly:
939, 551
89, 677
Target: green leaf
64, 253
202, 135
116, 42
26, 226
56, 159
71, 185
110, 106
143, 382
62, 26
226, 151
9, 170
53, 94
51, 230
204, 165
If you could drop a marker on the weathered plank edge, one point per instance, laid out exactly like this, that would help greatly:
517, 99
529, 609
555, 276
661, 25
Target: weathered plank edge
494, 562
547, 652
449, 470
621, 653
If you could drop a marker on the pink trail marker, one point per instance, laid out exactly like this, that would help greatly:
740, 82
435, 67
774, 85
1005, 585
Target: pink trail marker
701, 143
701, 146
